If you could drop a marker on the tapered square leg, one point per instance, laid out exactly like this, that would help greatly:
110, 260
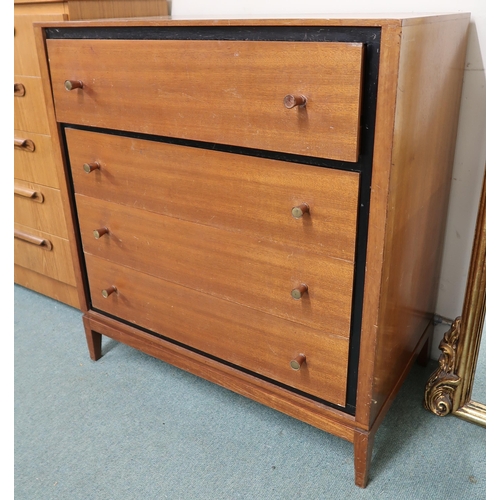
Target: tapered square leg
94, 341
363, 445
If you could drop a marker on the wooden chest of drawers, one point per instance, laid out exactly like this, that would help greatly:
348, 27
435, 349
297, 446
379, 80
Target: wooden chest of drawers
262, 203
42, 255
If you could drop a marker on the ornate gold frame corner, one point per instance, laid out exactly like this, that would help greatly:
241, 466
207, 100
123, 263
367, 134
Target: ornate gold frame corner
449, 388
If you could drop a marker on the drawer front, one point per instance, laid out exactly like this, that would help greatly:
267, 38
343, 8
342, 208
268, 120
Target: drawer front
34, 159
25, 53
45, 285
39, 207
30, 113
233, 192
43, 253
228, 92
250, 339
244, 269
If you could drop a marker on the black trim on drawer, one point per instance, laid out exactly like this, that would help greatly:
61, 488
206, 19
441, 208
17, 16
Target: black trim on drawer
224, 148
370, 37
348, 34
347, 409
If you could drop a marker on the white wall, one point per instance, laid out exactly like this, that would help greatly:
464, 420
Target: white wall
470, 156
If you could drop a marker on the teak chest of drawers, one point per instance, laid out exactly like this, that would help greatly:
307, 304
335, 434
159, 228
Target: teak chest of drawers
262, 202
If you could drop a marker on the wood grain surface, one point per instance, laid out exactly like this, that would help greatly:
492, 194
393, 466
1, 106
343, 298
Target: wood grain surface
428, 93
229, 92
101, 9
38, 166
233, 192
30, 113
25, 54
54, 263
248, 338
46, 285
234, 266
43, 216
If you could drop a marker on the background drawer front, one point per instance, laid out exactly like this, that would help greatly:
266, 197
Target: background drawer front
43, 253
250, 339
39, 207
25, 53
45, 285
229, 92
30, 114
256, 273
34, 165
233, 192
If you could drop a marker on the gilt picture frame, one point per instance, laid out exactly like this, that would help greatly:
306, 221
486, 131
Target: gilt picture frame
449, 388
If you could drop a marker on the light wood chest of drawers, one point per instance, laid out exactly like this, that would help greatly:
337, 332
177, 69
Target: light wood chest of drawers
262, 203
42, 255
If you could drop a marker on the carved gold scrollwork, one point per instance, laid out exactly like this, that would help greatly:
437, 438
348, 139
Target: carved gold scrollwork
441, 386
448, 390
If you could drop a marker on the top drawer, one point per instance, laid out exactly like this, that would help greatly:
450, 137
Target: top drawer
227, 92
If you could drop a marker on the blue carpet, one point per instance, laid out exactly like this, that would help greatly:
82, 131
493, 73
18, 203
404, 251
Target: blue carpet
130, 427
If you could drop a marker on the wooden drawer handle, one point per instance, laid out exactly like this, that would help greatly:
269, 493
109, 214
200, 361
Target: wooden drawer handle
34, 240
90, 167
296, 363
19, 90
108, 291
298, 292
29, 193
300, 210
73, 84
100, 232
290, 101
24, 144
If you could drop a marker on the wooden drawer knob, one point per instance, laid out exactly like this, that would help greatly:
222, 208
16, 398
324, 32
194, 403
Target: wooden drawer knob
24, 144
290, 101
100, 232
19, 90
73, 84
90, 167
300, 210
108, 291
296, 363
298, 292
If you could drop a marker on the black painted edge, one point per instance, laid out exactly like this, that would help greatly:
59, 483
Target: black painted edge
370, 37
